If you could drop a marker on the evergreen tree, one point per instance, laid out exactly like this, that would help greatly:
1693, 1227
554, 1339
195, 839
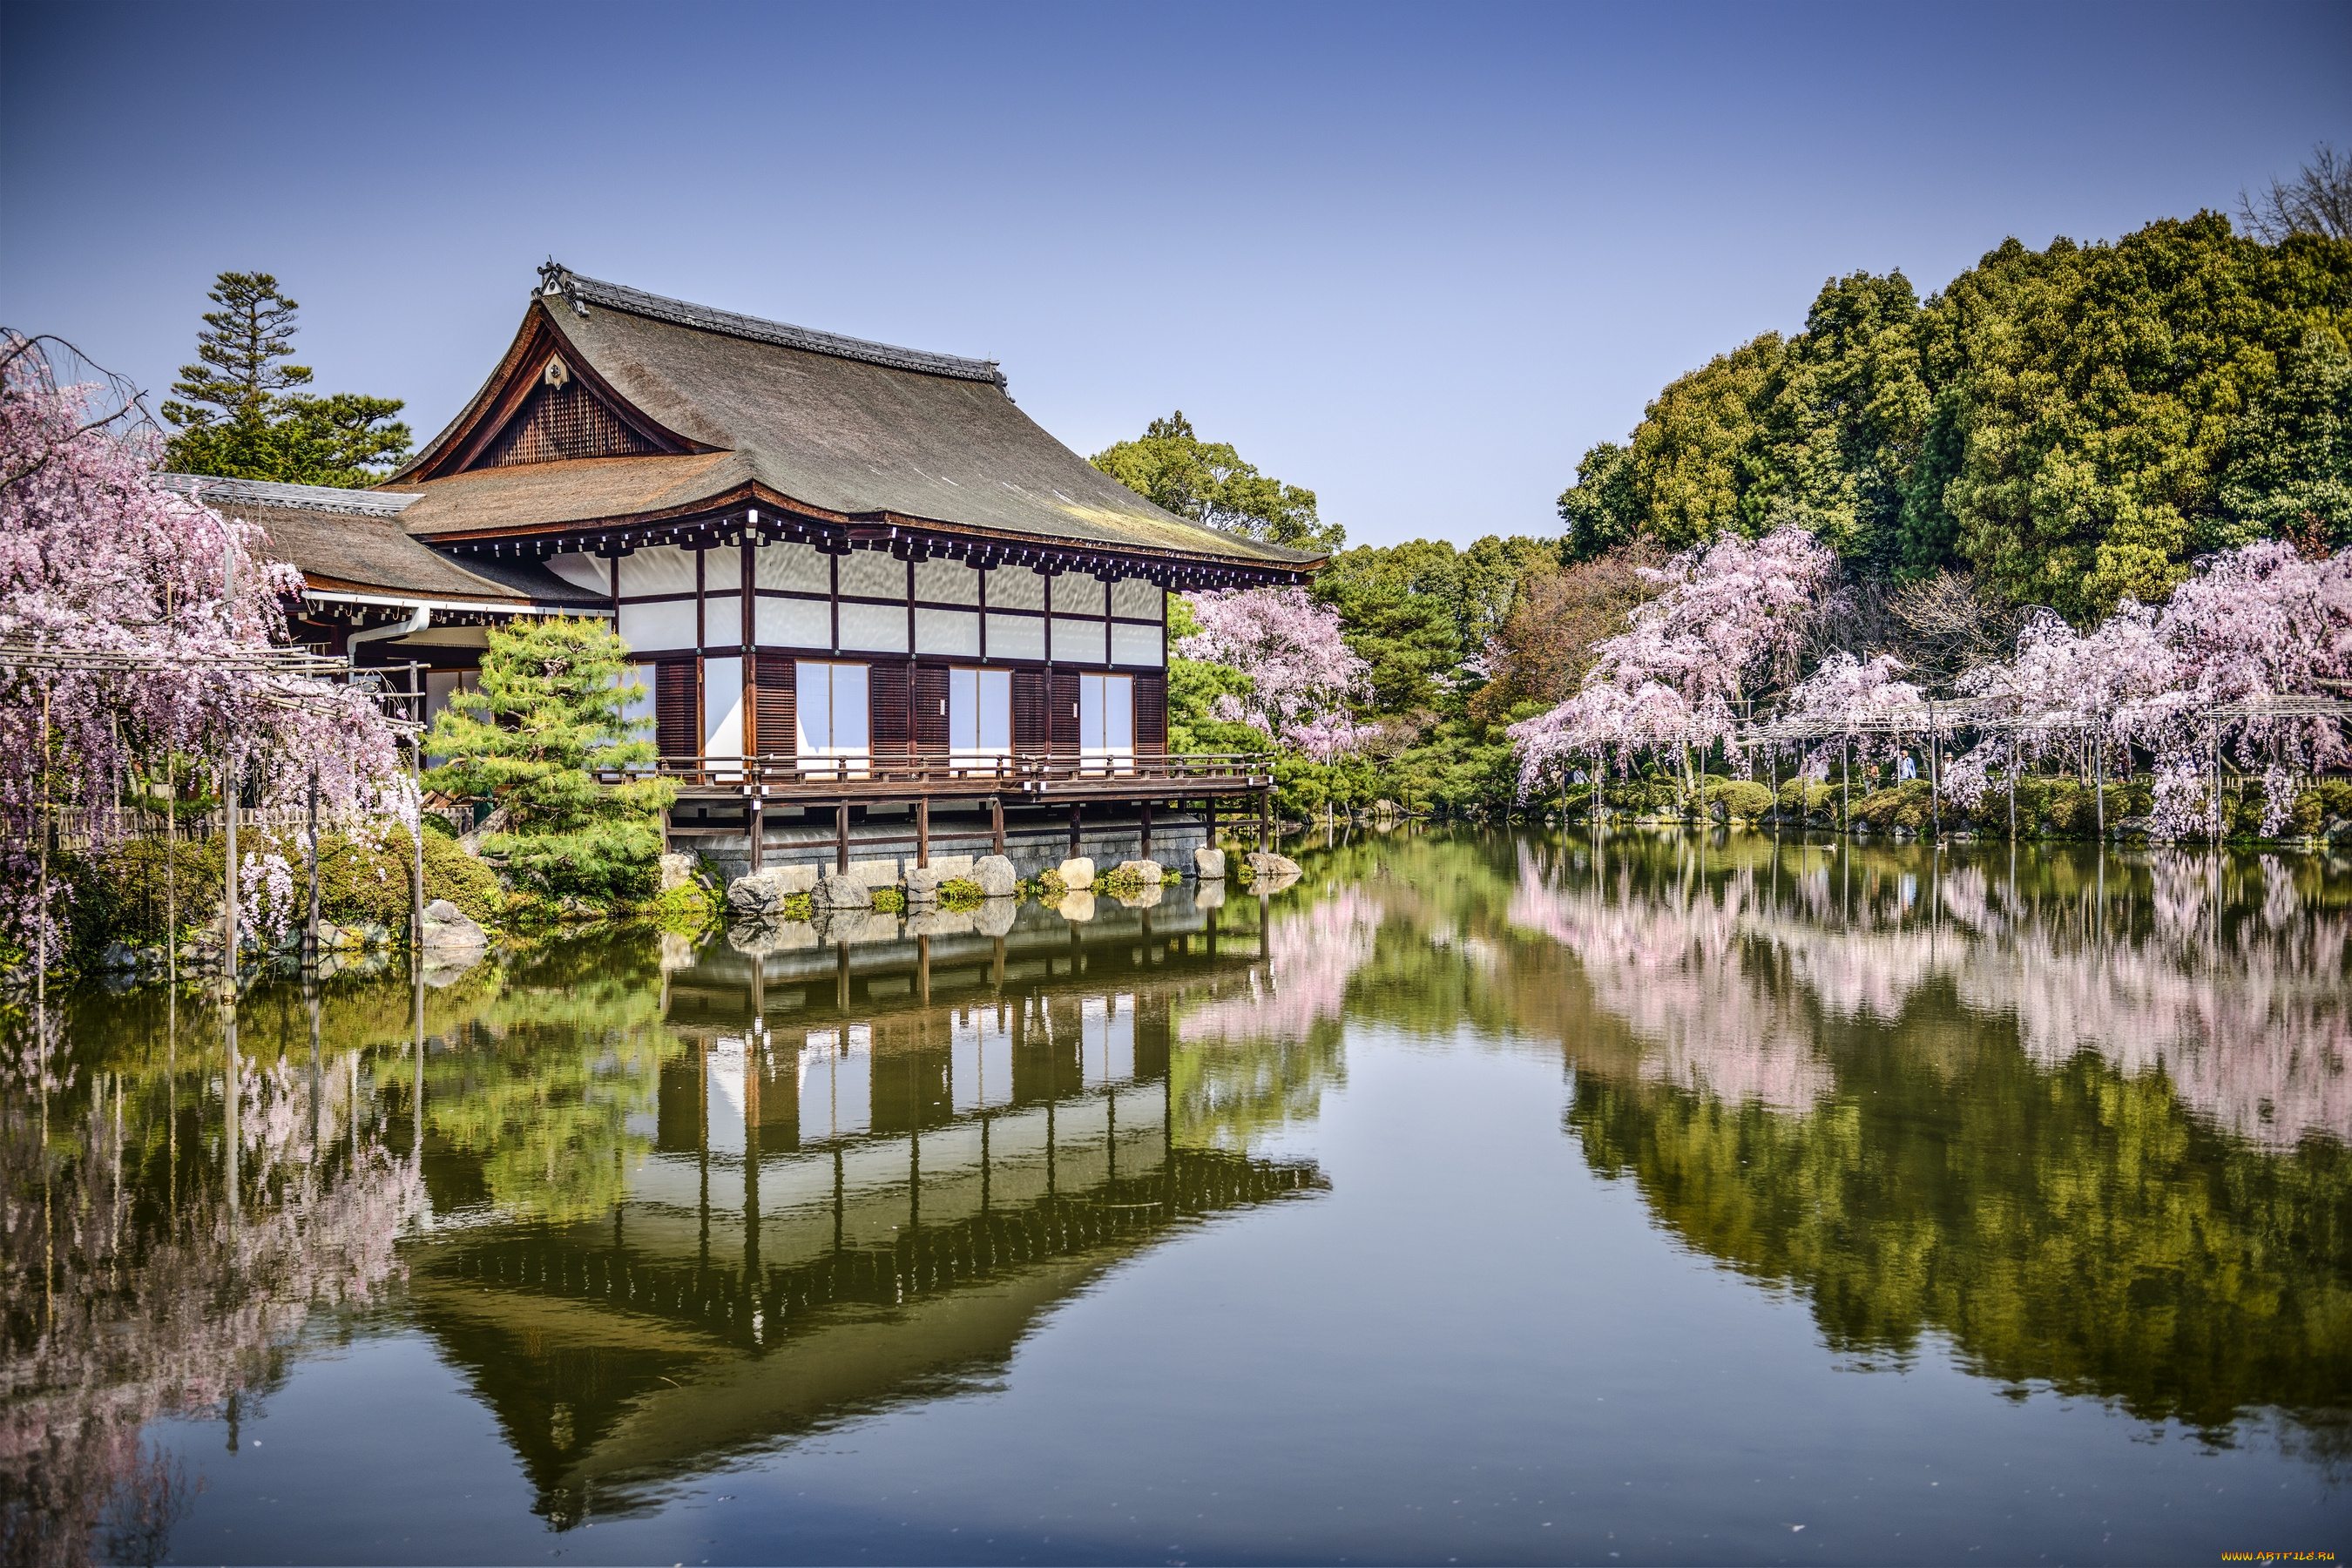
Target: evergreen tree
2290, 472
552, 707
244, 417
1207, 483
1604, 509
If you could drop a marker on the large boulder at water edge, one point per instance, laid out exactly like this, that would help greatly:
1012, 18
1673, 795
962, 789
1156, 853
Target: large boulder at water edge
996, 877
1078, 871
754, 897
1209, 864
1263, 865
449, 930
676, 871
763, 891
1149, 872
923, 885
835, 893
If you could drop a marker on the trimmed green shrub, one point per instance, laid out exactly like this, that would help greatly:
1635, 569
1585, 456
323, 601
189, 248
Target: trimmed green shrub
119, 894
1796, 796
1739, 797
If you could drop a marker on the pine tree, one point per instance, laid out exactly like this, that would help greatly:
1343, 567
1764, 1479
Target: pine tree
244, 419
552, 707
239, 375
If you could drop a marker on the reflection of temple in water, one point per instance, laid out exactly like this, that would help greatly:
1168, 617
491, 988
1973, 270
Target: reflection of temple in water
875, 1167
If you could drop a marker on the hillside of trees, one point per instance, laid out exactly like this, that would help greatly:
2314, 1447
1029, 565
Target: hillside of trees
2073, 425
2069, 428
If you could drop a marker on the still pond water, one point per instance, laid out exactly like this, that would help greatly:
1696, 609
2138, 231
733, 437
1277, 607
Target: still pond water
1632, 1199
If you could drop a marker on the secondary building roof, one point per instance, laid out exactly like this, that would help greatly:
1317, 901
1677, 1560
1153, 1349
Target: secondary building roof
620, 407
351, 545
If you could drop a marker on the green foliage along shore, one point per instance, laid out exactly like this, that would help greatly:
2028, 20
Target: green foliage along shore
125, 894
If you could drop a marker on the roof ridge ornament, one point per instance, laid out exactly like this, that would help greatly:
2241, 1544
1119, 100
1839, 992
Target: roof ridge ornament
555, 279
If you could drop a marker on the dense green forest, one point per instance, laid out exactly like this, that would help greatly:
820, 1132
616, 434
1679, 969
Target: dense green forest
2066, 428
2075, 425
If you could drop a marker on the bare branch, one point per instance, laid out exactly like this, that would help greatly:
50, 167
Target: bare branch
2318, 201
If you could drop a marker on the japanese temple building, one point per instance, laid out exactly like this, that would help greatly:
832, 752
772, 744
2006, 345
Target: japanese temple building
862, 588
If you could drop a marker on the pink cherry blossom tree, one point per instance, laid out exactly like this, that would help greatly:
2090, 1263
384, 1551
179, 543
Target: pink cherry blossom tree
135, 623
1305, 682
1864, 702
1730, 623
2256, 624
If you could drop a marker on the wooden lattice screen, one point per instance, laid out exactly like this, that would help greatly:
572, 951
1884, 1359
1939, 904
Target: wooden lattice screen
887, 713
1063, 712
1031, 730
931, 708
773, 705
557, 422
677, 708
1150, 715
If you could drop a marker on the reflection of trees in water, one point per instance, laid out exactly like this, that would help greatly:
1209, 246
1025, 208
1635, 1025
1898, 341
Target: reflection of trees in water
2033, 1112
1258, 1052
2235, 993
528, 1101
167, 1233
1671, 966
2073, 1228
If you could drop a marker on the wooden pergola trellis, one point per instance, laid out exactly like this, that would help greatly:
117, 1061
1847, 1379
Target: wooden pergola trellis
291, 680
1935, 718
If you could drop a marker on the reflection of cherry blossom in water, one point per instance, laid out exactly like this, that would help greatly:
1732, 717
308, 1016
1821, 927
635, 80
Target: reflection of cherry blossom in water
1260, 1052
2247, 1018
1309, 955
140, 1302
1672, 969
2248, 1022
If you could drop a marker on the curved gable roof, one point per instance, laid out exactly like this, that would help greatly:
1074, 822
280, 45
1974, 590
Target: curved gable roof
836, 426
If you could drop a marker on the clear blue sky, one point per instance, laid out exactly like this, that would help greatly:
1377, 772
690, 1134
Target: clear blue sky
1417, 259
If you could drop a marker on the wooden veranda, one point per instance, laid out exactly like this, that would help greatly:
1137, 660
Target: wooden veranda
1024, 780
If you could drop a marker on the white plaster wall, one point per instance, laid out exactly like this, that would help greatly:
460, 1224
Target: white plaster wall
648, 627
953, 632
798, 566
1079, 642
794, 623
1134, 644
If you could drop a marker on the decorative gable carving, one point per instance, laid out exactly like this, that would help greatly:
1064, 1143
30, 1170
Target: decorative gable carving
563, 418
544, 403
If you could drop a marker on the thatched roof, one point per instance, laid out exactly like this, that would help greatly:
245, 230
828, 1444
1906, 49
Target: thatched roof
689, 409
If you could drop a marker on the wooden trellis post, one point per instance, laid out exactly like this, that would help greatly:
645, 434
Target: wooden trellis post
228, 882
311, 931
1935, 790
416, 777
